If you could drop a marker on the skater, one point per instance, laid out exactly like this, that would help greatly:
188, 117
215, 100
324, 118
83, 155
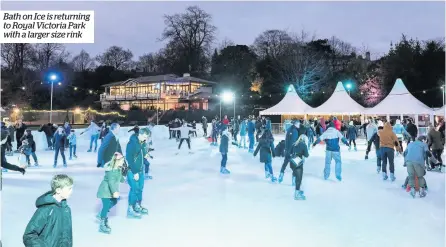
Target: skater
72, 140
337, 123
193, 132
204, 123
224, 148
184, 134
67, 130
291, 137
251, 131
20, 128
412, 130
298, 154
400, 132
214, 132
60, 138
94, 131
32, 147
11, 130
331, 138
149, 142
49, 132
25, 152
243, 129
387, 141
136, 152
104, 131
371, 129
109, 145
375, 140
266, 148
236, 128
4, 163
352, 133
310, 133
51, 224
435, 143
415, 157
108, 190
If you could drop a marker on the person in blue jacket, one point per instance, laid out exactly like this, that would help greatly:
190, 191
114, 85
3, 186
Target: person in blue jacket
400, 132
67, 129
224, 148
292, 134
331, 137
251, 131
109, 145
243, 128
352, 133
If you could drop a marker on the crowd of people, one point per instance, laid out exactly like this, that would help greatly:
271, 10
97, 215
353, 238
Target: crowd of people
422, 153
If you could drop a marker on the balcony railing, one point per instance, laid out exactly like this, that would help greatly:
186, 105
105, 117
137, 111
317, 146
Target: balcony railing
129, 96
170, 94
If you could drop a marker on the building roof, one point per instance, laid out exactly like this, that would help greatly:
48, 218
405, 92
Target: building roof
160, 78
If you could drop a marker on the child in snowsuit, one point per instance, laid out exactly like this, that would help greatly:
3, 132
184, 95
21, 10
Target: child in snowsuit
266, 148
224, 148
25, 151
298, 153
72, 140
351, 135
108, 190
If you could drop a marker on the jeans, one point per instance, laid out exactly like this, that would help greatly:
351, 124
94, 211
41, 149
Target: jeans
251, 141
136, 188
224, 159
107, 204
297, 174
58, 149
378, 158
72, 150
269, 168
49, 140
33, 154
310, 141
146, 166
387, 153
181, 142
242, 140
416, 170
214, 136
329, 155
94, 138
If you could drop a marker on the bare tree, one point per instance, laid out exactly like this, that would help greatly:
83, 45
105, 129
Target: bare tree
225, 43
82, 61
116, 57
147, 63
192, 32
47, 54
341, 48
15, 57
303, 67
272, 43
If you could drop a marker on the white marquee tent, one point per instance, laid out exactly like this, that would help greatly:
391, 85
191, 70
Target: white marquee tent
440, 112
291, 104
399, 102
339, 103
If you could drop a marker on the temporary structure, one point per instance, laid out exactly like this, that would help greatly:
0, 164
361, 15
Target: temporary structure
339, 103
440, 112
291, 104
400, 102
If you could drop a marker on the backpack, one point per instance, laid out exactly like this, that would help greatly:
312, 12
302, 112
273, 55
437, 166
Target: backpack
279, 150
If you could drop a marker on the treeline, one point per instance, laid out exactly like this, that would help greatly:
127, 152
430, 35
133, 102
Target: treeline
263, 69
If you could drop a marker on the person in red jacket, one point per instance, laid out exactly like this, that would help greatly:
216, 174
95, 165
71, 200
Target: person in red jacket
337, 123
225, 120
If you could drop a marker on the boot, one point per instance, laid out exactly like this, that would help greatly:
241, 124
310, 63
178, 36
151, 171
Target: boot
384, 175
392, 177
356, 149
366, 156
299, 195
141, 210
412, 192
132, 214
339, 178
280, 179
89, 151
267, 175
423, 192
103, 227
223, 170
273, 179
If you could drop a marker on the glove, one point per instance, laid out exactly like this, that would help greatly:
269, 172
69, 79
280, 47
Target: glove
314, 145
151, 157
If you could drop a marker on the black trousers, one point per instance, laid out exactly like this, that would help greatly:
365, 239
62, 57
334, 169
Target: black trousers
205, 131
285, 163
5, 163
437, 154
181, 142
298, 171
350, 142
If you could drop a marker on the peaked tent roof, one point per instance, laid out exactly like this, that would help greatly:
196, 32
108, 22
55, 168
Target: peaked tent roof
400, 101
338, 103
440, 111
291, 104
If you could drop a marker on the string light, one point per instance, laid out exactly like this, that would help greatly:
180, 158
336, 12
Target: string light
89, 110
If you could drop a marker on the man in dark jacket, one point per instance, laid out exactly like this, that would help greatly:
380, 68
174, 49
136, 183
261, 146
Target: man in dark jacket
4, 162
235, 128
412, 130
109, 145
302, 129
19, 131
375, 140
30, 138
204, 123
136, 153
60, 138
48, 130
292, 135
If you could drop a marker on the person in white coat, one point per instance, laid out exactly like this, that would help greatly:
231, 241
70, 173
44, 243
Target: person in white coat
94, 131
184, 134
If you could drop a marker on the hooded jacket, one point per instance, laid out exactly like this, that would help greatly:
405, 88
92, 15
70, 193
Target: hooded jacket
352, 133
387, 138
224, 142
416, 153
399, 129
135, 154
266, 148
51, 224
331, 137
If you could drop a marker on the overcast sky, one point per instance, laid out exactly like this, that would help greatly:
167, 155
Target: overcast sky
138, 25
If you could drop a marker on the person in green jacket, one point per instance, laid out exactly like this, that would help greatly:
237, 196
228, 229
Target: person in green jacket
108, 190
51, 224
136, 152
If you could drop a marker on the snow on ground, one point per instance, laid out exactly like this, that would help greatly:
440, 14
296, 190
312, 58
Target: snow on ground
191, 204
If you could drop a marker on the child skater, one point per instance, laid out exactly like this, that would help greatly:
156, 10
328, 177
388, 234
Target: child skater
243, 129
25, 151
299, 151
266, 148
108, 190
224, 148
72, 140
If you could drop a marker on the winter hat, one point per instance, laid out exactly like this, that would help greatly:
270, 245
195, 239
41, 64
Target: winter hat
351, 123
28, 131
398, 121
380, 123
330, 124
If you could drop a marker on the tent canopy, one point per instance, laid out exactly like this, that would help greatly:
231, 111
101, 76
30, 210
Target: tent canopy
339, 103
291, 104
440, 112
399, 101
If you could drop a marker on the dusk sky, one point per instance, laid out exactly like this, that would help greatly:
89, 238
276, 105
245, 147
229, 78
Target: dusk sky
138, 25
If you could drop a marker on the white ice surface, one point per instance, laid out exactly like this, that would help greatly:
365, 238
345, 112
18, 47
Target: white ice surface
191, 204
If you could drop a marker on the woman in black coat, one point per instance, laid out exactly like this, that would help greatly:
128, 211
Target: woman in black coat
266, 148
19, 131
298, 154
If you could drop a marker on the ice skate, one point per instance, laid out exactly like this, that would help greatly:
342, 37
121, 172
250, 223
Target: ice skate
378, 169
339, 178
132, 214
384, 176
412, 192
36, 164
147, 177
273, 179
349, 148
280, 179
89, 151
366, 157
4, 170
392, 177
299, 195
267, 174
103, 227
355, 148
65, 165
423, 193
141, 210
223, 170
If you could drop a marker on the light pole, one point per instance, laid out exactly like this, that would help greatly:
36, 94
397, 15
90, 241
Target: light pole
53, 78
